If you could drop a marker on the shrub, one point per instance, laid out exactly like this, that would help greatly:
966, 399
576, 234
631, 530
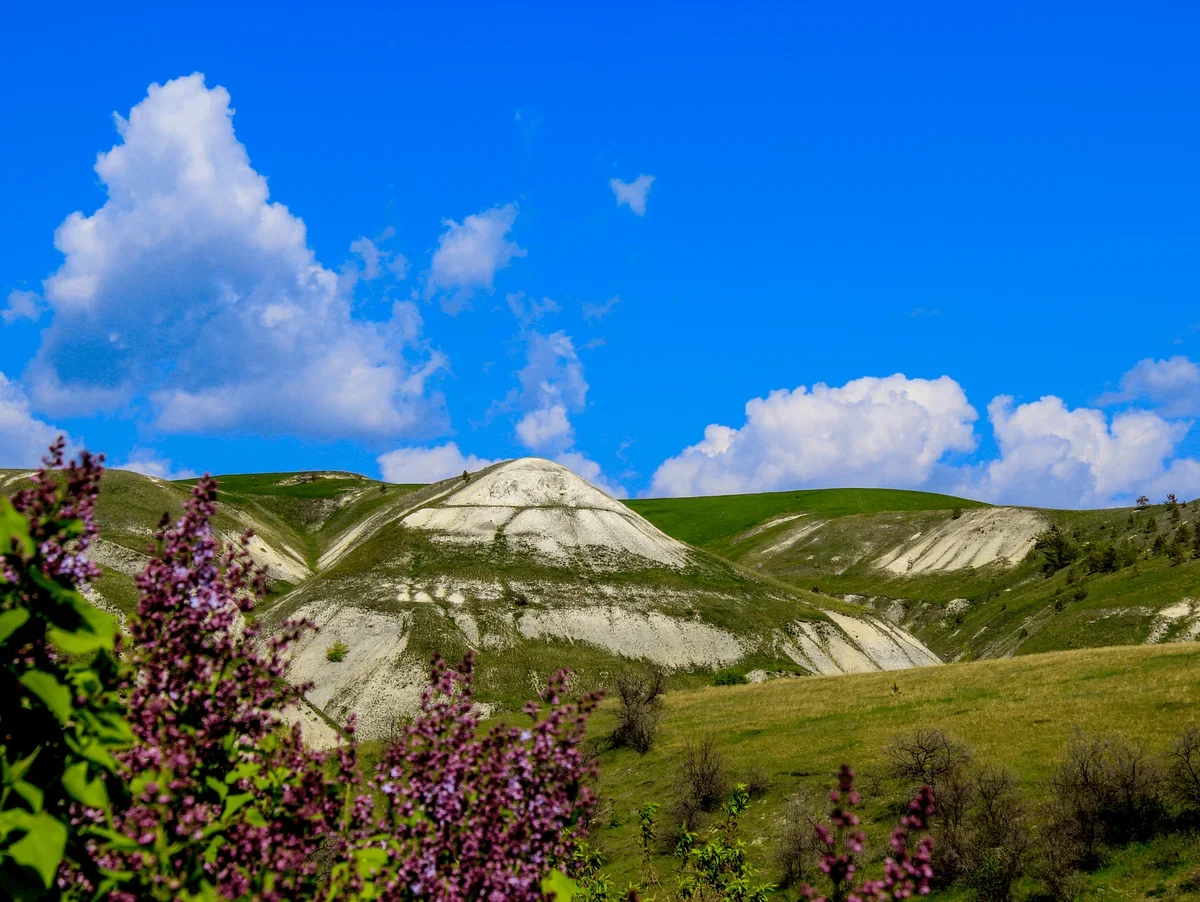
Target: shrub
61, 715
729, 677
640, 700
927, 756
996, 841
758, 781
796, 849
214, 799
703, 784
1183, 768
1056, 549
906, 874
1105, 791
337, 652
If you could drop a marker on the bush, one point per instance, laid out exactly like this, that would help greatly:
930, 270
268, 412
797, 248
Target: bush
796, 850
758, 781
703, 783
62, 718
997, 836
640, 707
1105, 791
729, 677
337, 652
1183, 768
927, 756
213, 798
1056, 549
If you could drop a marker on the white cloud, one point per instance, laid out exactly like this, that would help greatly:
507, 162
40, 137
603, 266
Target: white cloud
529, 310
1051, 455
633, 194
891, 431
423, 465
22, 305
23, 439
1173, 385
546, 428
593, 313
552, 386
190, 289
149, 463
590, 470
469, 255
377, 261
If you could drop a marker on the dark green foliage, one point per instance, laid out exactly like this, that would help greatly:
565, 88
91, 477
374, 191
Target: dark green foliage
60, 717
729, 677
1056, 549
1159, 547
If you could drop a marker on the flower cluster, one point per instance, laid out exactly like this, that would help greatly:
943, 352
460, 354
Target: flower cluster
187, 783
905, 873
470, 817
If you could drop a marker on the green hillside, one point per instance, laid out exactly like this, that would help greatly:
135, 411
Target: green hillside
707, 520
1017, 714
833, 541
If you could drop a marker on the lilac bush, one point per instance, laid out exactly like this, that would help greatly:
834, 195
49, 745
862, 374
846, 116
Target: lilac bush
469, 817
905, 873
60, 716
176, 778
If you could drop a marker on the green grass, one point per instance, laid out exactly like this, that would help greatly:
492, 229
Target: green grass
703, 521
1017, 713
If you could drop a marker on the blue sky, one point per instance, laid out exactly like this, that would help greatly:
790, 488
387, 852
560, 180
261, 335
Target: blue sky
971, 235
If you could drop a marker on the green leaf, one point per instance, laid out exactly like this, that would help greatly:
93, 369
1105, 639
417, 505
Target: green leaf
216, 786
90, 792
370, 860
11, 621
562, 886
54, 695
32, 795
41, 848
255, 818
13, 526
233, 804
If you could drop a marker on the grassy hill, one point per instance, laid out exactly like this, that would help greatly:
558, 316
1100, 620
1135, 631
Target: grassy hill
1014, 713
708, 520
833, 541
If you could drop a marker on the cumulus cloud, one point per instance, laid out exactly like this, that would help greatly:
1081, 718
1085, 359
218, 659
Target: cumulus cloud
633, 194
190, 291
469, 255
423, 465
591, 471
23, 438
552, 386
1173, 385
150, 463
22, 305
529, 310
891, 431
1051, 455
545, 428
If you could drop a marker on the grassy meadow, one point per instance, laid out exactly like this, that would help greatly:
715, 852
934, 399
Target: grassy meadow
1018, 713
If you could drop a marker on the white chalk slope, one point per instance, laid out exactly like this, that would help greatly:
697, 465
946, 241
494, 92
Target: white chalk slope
595, 561
993, 535
541, 507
